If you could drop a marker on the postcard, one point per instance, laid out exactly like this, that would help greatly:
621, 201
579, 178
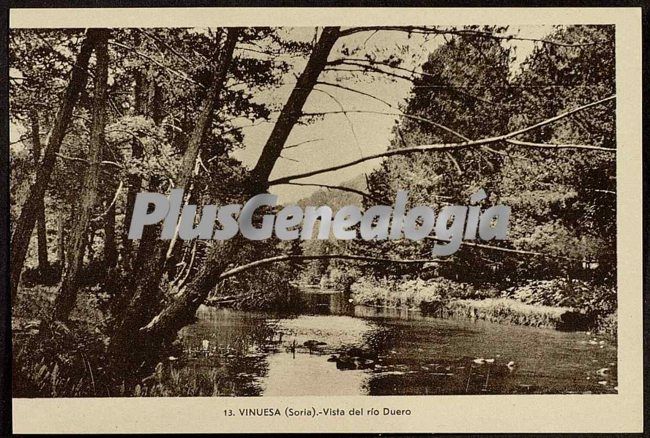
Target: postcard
326, 220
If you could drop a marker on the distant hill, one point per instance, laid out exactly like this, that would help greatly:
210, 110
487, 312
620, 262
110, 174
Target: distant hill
336, 199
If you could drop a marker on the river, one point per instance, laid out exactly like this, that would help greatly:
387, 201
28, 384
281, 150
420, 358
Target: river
336, 348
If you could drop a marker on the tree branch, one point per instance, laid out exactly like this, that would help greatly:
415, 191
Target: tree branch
301, 258
170, 48
446, 146
396, 114
341, 188
343, 87
295, 145
368, 64
508, 250
292, 109
560, 146
117, 193
161, 65
83, 160
466, 32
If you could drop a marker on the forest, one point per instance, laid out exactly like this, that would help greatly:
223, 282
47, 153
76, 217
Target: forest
100, 115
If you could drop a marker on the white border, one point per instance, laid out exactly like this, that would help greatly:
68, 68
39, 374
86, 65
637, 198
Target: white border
622, 412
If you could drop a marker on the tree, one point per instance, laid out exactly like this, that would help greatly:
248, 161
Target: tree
182, 308
41, 231
31, 207
67, 294
174, 106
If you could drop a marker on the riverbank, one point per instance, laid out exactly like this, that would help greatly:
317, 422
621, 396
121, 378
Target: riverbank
554, 304
244, 353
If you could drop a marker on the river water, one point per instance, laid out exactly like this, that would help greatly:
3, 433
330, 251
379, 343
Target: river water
336, 348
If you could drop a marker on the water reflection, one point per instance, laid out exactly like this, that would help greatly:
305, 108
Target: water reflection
337, 348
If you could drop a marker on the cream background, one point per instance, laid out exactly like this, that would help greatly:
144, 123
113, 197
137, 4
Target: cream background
622, 412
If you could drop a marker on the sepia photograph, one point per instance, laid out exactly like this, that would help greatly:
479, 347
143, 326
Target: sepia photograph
308, 210
368, 220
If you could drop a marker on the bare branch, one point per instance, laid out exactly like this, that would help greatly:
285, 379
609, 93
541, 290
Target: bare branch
344, 112
343, 87
163, 66
302, 258
463, 32
170, 48
21, 139
560, 146
342, 188
295, 145
290, 159
117, 193
508, 250
368, 64
83, 160
448, 146
396, 114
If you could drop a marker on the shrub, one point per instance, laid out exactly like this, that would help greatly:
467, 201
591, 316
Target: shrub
412, 293
59, 361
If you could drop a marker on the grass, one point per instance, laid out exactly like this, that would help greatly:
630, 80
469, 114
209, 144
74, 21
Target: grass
505, 310
537, 305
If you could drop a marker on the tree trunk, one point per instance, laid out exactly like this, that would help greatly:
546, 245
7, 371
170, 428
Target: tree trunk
134, 181
30, 209
164, 326
67, 295
41, 231
141, 97
292, 110
143, 303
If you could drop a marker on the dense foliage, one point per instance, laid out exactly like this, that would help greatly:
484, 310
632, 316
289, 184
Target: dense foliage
101, 115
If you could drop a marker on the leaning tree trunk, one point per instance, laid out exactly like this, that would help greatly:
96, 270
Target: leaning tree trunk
29, 211
143, 303
67, 295
162, 329
292, 110
41, 230
148, 97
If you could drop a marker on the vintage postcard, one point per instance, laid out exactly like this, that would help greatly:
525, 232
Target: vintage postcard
326, 220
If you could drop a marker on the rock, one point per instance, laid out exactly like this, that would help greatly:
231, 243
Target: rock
312, 343
603, 372
355, 352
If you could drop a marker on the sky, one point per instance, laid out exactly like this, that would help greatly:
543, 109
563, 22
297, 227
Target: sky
340, 138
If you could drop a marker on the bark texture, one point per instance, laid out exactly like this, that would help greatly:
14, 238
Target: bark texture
182, 309
292, 110
30, 209
41, 229
67, 295
150, 262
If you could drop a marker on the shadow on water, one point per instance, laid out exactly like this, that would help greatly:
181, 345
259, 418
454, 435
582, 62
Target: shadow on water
336, 348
